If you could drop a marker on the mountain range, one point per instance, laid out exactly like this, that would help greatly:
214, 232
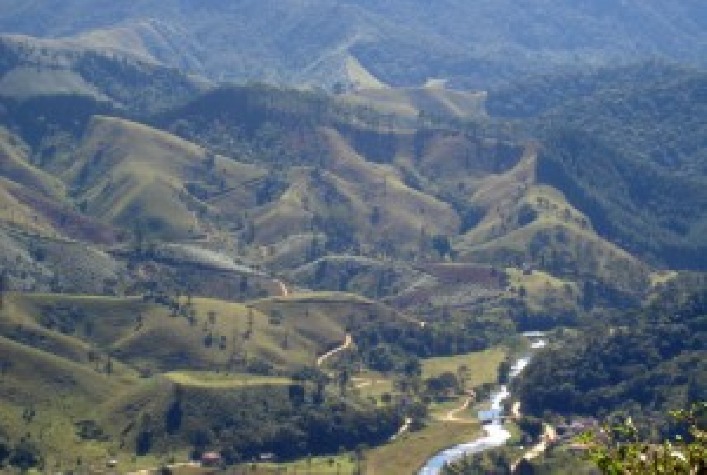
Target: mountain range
298, 228
358, 42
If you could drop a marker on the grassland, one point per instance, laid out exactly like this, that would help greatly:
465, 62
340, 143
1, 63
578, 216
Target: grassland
482, 368
206, 379
417, 101
114, 360
482, 365
538, 288
662, 277
286, 332
526, 222
360, 77
43, 397
26, 82
409, 452
338, 464
75, 358
148, 176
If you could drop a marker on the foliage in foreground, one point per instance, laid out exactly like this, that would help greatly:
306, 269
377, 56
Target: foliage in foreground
621, 452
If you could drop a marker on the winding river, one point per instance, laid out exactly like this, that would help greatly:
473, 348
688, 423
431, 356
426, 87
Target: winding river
496, 434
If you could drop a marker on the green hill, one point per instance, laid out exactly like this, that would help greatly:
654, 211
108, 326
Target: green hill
252, 269
623, 145
279, 334
132, 175
107, 373
644, 362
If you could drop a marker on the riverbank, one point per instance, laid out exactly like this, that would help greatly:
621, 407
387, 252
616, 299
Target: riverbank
496, 434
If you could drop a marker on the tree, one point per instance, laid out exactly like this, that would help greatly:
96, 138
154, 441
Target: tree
251, 320
463, 375
4, 286
524, 467
441, 244
25, 455
443, 384
173, 416
621, 451
375, 215
5, 449
504, 370
343, 379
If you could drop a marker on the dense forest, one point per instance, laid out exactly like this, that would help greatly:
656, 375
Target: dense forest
644, 362
626, 146
289, 422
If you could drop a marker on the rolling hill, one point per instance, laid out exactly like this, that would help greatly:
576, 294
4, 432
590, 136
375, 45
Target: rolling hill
104, 370
173, 264
35, 67
404, 42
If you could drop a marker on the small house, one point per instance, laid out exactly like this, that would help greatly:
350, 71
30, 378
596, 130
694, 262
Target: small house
211, 459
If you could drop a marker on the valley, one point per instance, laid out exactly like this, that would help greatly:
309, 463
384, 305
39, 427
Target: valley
226, 260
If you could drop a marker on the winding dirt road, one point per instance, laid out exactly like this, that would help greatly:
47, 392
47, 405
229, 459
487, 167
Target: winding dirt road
404, 428
452, 415
549, 434
284, 291
347, 343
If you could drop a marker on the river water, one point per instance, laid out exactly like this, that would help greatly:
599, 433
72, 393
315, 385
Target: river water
496, 434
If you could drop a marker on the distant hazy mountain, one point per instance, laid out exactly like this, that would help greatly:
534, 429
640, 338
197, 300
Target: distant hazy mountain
401, 42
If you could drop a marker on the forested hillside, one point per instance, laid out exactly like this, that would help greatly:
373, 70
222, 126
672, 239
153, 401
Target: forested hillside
626, 147
645, 362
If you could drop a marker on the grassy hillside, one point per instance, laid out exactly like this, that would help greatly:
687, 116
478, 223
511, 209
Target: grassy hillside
32, 67
533, 225
44, 397
419, 102
323, 178
132, 175
395, 213
278, 333
254, 269
105, 380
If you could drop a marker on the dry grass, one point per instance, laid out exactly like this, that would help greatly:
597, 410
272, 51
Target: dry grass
410, 102
360, 77
662, 277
